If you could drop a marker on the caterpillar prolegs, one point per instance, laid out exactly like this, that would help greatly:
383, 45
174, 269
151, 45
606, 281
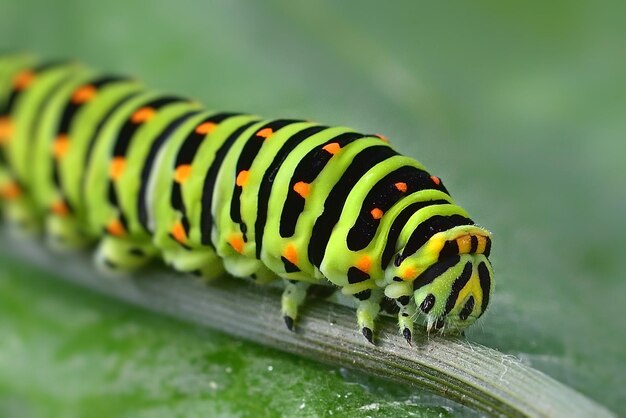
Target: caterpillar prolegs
93, 158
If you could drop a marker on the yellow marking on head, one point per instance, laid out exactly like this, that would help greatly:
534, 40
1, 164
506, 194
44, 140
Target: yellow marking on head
291, 254
376, 213
482, 244
23, 79
84, 94
60, 146
11, 191
265, 133
409, 273
364, 264
402, 187
182, 173
332, 148
143, 115
59, 208
179, 233
6, 130
242, 178
471, 288
206, 128
116, 168
302, 188
236, 241
464, 243
116, 228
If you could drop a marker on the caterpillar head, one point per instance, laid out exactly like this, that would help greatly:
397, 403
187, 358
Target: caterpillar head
450, 277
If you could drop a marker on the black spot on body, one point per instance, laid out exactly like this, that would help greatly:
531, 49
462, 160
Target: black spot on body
364, 295
467, 309
355, 275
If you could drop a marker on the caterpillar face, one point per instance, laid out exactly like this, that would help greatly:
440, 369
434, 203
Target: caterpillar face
450, 276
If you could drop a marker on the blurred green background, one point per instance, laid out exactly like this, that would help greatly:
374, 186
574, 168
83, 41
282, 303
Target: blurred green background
521, 109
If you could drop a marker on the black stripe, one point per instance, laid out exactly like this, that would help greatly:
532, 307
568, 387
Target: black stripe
425, 230
383, 196
364, 161
192, 142
127, 131
185, 156
398, 224
485, 285
487, 251
146, 170
434, 271
69, 113
307, 170
126, 135
265, 188
449, 249
206, 221
473, 244
457, 286
244, 162
94, 137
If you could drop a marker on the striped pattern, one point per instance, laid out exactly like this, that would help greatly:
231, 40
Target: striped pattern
149, 174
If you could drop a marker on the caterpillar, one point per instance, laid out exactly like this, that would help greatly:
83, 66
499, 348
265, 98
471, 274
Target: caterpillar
95, 159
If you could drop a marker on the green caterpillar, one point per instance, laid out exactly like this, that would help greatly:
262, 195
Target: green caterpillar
94, 158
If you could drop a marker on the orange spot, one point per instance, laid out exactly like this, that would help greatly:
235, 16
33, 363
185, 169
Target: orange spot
6, 130
60, 208
364, 264
265, 133
142, 115
116, 228
436, 180
117, 167
205, 128
302, 188
382, 138
401, 186
376, 213
60, 146
409, 273
23, 79
237, 243
182, 173
291, 254
11, 191
84, 94
332, 148
179, 233
242, 178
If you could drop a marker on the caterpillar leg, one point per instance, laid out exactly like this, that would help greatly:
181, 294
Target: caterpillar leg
367, 310
20, 213
293, 296
249, 268
64, 233
406, 316
114, 254
199, 262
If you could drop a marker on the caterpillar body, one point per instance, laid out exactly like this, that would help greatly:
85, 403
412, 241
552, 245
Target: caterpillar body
92, 158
